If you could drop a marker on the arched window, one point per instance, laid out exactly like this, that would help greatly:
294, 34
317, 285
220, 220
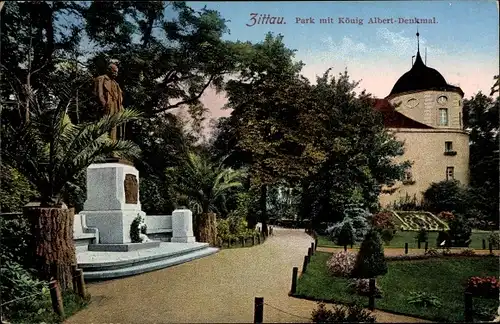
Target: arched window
443, 117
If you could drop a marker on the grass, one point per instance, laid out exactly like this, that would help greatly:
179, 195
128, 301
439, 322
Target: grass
443, 278
403, 237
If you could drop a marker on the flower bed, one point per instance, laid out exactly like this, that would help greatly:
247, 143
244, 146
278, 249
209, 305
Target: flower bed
488, 287
414, 221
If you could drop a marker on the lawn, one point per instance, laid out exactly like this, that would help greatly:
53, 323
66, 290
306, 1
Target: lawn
403, 237
443, 277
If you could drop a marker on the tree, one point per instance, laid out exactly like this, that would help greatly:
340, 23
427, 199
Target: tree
446, 196
202, 183
370, 261
358, 151
266, 99
51, 151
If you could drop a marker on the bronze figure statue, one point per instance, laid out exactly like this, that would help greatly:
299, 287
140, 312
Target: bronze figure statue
110, 98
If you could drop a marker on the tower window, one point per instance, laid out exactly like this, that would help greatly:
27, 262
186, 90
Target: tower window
443, 117
448, 146
450, 173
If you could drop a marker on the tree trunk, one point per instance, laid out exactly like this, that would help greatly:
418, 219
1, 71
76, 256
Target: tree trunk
207, 229
263, 209
51, 245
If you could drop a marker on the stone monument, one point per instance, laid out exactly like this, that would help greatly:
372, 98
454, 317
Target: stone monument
113, 200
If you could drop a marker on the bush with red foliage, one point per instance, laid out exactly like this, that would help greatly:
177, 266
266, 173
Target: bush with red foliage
446, 216
483, 286
383, 220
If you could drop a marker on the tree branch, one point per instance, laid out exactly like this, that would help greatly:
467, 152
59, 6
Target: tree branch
187, 101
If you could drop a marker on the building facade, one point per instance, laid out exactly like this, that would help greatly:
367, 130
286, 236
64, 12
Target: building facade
425, 112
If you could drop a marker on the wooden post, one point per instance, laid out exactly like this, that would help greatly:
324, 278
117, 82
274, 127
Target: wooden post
243, 242
309, 252
371, 300
468, 307
258, 238
418, 244
406, 248
295, 272
352, 245
55, 295
312, 248
426, 246
306, 261
81, 283
484, 244
258, 315
75, 281
315, 244
491, 248
345, 247
253, 240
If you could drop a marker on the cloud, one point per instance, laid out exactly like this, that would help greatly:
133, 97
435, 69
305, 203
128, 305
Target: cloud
345, 48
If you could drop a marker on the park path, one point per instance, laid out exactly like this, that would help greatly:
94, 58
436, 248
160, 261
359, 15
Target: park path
215, 289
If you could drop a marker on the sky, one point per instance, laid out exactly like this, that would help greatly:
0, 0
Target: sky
462, 44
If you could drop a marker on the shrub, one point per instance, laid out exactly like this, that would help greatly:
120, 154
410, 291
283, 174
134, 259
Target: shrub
135, 230
424, 299
341, 264
342, 314
18, 283
370, 261
387, 235
15, 191
468, 252
494, 239
432, 252
446, 216
422, 235
383, 220
483, 286
345, 235
443, 236
460, 231
14, 236
357, 218
446, 195
362, 287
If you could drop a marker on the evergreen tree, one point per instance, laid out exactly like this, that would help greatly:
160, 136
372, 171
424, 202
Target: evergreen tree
370, 261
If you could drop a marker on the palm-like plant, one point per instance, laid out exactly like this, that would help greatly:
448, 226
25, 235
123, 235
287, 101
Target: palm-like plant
51, 151
203, 182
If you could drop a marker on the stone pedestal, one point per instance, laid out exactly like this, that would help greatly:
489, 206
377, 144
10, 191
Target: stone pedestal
182, 226
112, 201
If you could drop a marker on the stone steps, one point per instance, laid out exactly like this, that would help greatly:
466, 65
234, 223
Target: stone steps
101, 266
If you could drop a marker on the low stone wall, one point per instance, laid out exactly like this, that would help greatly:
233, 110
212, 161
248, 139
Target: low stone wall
159, 227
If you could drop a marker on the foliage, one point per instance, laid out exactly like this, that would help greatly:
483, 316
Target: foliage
18, 283
446, 196
341, 264
460, 232
424, 299
136, 229
345, 236
432, 252
408, 203
362, 287
414, 221
342, 314
494, 239
481, 117
387, 235
468, 252
370, 261
483, 286
446, 216
16, 191
357, 219
422, 236
51, 151
443, 237
383, 220
203, 182
15, 234
233, 228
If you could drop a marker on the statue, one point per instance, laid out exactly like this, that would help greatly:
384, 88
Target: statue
110, 98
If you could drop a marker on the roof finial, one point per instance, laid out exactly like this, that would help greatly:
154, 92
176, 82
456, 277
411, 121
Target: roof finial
418, 40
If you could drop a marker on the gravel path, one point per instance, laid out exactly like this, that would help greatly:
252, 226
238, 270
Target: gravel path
219, 288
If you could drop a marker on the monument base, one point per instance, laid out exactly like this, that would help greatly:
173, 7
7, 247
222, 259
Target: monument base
123, 247
113, 225
185, 239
